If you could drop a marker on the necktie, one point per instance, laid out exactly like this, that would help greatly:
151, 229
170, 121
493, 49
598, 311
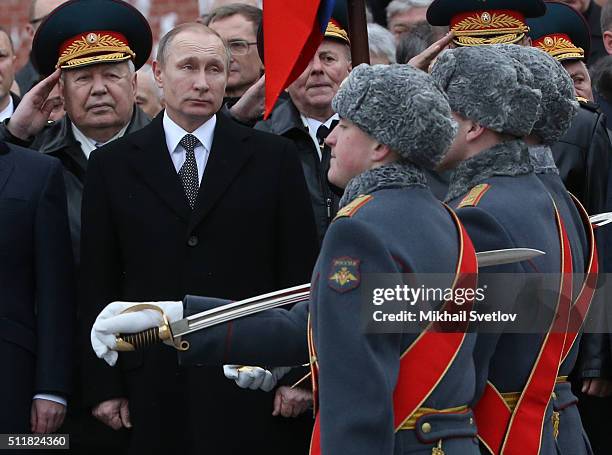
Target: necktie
189, 170
323, 132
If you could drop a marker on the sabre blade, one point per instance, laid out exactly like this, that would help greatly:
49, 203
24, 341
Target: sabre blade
601, 219
507, 256
253, 305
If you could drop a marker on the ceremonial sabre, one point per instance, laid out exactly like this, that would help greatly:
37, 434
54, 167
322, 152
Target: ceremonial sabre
601, 219
172, 331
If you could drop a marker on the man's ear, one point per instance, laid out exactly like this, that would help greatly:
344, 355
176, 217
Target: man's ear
135, 84
381, 153
474, 132
607, 40
157, 74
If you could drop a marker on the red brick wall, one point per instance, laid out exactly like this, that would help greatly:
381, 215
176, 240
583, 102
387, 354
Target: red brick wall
162, 15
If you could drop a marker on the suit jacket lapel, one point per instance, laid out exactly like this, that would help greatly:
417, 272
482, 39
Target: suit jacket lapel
6, 165
227, 157
152, 161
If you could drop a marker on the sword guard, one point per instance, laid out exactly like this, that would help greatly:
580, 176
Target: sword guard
138, 341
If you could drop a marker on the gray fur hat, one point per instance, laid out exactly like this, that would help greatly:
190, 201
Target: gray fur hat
400, 107
559, 105
490, 88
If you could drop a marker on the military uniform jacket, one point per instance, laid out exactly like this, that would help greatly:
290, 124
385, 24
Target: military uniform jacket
378, 233
504, 205
571, 438
58, 141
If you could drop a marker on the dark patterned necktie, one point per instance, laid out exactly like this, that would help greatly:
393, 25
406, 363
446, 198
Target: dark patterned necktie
323, 132
189, 170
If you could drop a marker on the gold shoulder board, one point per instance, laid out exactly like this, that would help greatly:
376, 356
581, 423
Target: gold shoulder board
352, 208
474, 196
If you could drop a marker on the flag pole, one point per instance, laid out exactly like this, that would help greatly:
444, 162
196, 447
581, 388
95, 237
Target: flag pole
358, 31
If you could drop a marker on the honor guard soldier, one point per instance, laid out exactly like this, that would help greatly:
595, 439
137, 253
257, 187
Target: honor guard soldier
558, 109
475, 23
503, 204
582, 154
413, 390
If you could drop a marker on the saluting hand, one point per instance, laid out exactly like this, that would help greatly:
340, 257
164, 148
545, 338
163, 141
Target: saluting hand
32, 113
251, 104
424, 60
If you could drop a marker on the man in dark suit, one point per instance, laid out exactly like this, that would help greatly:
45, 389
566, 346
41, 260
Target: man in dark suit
37, 294
192, 203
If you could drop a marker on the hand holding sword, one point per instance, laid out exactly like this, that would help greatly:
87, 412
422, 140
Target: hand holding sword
124, 326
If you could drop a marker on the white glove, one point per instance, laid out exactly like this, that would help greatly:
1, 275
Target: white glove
111, 322
254, 377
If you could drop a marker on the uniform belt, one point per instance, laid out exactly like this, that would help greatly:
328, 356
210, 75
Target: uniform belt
410, 424
512, 398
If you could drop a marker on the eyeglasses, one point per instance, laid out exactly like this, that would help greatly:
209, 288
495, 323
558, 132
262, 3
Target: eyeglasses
239, 46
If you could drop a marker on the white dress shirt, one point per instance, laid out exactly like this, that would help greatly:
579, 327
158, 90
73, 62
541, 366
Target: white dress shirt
88, 144
313, 125
175, 133
8, 110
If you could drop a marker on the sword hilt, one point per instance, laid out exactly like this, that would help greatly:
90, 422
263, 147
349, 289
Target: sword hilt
138, 341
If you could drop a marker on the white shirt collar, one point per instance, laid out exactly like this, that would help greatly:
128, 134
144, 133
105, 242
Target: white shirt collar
312, 125
88, 144
8, 110
174, 133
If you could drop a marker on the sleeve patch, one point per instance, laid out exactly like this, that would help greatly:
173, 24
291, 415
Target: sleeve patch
474, 196
344, 274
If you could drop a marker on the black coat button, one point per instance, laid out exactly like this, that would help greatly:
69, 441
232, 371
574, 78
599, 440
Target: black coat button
193, 241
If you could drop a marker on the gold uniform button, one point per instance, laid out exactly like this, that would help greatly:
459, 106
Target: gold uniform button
554, 396
426, 427
471, 421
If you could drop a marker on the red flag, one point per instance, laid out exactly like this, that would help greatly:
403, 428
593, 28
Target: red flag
292, 33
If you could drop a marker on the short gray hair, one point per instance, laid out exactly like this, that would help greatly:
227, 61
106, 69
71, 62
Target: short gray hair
381, 42
400, 6
163, 48
250, 13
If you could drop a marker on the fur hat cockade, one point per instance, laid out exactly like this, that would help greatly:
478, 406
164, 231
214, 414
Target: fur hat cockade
559, 105
490, 88
400, 107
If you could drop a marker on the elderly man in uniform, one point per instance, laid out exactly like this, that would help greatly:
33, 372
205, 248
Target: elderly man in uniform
97, 80
378, 153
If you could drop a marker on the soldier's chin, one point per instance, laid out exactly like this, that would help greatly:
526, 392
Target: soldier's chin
335, 179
